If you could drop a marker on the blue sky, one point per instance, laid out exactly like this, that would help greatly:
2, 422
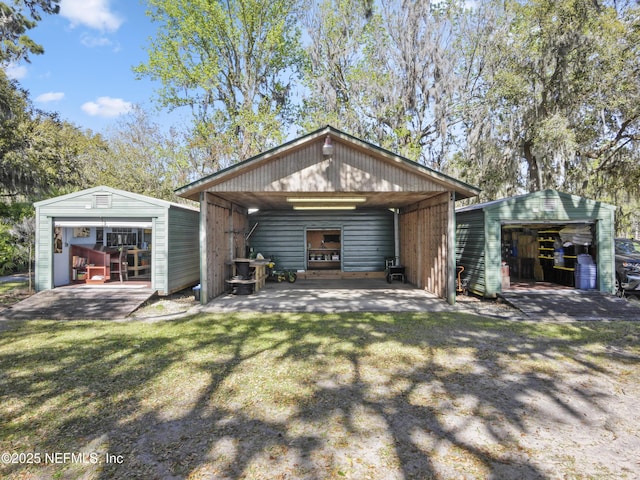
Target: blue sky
86, 72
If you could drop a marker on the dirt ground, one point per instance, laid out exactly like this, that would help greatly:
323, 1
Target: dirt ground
478, 404
531, 410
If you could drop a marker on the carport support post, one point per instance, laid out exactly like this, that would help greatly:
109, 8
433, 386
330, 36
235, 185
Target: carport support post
451, 250
396, 236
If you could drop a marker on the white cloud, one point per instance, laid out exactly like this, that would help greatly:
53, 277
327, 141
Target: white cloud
91, 41
50, 97
94, 14
107, 107
15, 71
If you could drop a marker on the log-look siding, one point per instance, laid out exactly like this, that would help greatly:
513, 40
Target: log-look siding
424, 244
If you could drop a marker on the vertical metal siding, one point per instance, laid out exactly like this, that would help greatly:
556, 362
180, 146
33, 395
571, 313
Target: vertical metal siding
493, 254
183, 249
44, 252
367, 237
544, 206
122, 206
470, 248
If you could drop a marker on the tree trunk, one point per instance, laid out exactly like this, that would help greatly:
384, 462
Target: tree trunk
535, 169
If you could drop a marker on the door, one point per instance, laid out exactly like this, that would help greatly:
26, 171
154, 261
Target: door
61, 262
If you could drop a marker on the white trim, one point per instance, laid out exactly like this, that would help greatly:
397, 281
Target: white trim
104, 223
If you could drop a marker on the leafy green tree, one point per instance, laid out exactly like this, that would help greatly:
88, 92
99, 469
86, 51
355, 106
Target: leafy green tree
138, 156
407, 78
384, 71
15, 174
16, 18
558, 100
39, 153
231, 63
17, 234
337, 31
24, 235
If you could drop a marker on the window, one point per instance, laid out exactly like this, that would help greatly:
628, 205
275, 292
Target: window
122, 236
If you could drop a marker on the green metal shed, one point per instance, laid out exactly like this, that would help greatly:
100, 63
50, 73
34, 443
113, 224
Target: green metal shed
160, 238
544, 236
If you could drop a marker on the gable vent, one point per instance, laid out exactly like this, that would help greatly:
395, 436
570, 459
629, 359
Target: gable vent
550, 205
102, 201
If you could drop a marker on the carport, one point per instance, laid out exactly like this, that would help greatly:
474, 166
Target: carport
330, 205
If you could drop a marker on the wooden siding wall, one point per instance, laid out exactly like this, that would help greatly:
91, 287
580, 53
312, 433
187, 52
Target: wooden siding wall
424, 244
226, 227
218, 254
349, 170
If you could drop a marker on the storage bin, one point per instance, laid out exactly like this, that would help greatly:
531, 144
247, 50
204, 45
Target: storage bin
585, 259
586, 276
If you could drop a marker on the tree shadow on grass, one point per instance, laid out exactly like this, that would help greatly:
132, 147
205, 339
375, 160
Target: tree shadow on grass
299, 395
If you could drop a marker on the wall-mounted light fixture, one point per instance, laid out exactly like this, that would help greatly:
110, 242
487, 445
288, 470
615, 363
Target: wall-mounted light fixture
327, 148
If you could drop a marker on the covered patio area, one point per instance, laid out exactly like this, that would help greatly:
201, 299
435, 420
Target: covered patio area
329, 202
333, 296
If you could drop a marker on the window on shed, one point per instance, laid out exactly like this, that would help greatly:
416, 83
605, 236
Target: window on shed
102, 200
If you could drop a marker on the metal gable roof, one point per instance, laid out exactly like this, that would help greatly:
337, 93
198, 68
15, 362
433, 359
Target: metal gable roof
104, 189
548, 193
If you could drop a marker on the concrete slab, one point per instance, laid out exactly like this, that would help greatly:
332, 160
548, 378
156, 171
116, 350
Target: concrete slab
571, 305
85, 302
331, 296
375, 295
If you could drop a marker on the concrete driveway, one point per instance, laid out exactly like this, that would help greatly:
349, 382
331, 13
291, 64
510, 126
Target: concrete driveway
375, 295
335, 296
571, 304
352, 295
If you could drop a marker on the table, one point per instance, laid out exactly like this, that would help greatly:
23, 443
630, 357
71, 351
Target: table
140, 261
254, 273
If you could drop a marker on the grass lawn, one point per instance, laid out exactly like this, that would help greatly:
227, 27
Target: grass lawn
13, 292
315, 396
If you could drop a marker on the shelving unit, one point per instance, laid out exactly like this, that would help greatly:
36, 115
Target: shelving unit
324, 249
557, 268
89, 265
